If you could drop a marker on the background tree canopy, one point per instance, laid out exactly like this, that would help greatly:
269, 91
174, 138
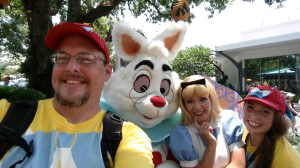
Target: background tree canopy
193, 61
25, 23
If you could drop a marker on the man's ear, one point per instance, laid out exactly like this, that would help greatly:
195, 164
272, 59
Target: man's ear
108, 71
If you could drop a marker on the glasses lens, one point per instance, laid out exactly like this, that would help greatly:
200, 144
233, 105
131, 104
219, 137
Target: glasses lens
61, 58
53, 58
85, 58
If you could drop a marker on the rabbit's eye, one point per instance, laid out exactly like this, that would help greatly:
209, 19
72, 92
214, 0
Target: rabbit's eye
165, 87
141, 83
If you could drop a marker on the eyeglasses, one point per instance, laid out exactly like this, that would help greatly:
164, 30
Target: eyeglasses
141, 98
85, 58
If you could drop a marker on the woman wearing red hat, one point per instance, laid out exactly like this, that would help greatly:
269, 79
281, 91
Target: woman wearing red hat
265, 143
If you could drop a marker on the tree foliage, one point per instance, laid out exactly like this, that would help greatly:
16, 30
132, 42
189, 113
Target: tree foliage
13, 41
253, 68
6, 67
193, 61
269, 2
13, 31
37, 21
27, 22
290, 61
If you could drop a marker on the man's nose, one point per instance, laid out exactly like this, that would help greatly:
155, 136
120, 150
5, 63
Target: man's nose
73, 65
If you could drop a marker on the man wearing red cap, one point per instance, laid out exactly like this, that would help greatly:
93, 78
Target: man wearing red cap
67, 129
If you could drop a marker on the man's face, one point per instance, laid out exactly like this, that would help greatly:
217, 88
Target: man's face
5, 79
76, 84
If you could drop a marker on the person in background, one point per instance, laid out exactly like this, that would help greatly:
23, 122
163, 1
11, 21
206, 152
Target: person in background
288, 115
67, 130
208, 136
290, 105
297, 126
263, 117
7, 82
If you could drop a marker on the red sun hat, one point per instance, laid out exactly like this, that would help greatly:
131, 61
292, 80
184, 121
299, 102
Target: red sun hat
267, 95
58, 32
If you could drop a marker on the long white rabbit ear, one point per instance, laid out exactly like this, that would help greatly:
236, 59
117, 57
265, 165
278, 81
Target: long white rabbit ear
173, 38
127, 41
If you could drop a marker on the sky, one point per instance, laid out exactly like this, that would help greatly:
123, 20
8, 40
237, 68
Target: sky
223, 28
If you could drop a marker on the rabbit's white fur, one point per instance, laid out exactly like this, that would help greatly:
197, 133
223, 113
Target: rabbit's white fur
144, 92
119, 91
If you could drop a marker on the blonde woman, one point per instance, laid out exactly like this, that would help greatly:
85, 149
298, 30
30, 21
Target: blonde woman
207, 136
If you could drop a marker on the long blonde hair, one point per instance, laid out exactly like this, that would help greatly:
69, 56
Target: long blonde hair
201, 91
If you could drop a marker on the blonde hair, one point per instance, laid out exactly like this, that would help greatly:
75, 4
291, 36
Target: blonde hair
201, 91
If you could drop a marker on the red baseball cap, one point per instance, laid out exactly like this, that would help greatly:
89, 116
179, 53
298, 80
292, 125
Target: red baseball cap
58, 32
269, 96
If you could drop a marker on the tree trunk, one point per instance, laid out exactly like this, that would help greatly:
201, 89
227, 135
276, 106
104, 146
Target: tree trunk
74, 11
38, 66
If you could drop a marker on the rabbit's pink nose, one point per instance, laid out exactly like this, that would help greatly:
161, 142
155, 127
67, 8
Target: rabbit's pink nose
158, 101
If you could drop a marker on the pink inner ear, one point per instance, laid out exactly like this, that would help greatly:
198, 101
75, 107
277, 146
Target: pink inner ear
130, 47
170, 41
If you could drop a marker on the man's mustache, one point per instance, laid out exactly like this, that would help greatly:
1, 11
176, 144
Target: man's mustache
76, 76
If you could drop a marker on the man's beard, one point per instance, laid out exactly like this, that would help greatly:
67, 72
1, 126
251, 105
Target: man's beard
72, 102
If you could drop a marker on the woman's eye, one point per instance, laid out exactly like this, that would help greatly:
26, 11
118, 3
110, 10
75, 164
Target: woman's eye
189, 101
265, 112
249, 107
203, 99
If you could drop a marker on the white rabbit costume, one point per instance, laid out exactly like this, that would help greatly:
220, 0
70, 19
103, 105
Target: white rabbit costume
144, 92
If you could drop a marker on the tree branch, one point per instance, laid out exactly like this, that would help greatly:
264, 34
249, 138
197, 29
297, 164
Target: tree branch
74, 13
103, 9
57, 7
158, 11
28, 4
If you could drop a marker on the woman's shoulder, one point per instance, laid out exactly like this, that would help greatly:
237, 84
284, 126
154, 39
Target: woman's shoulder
180, 135
232, 129
181, 144
285, 155
230, 119
283, 145
179, 130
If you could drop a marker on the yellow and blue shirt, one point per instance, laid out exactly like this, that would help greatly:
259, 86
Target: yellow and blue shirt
58, 143
285, 155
